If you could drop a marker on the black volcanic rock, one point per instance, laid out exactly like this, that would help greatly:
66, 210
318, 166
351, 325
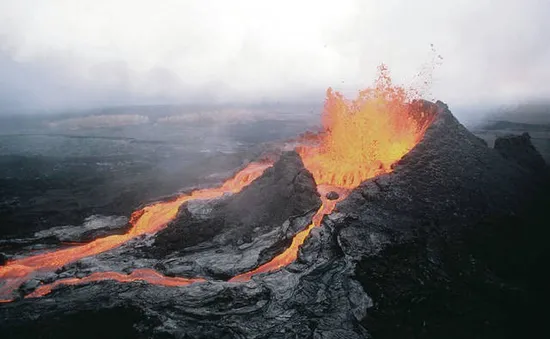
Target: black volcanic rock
332, 195
431, 250
29, 286
520, 149
429, 237
285, 190
451, 178
93, 227
263, 217
116, 322
3, 259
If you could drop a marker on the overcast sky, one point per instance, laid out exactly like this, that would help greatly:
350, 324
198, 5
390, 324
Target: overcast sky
68, 53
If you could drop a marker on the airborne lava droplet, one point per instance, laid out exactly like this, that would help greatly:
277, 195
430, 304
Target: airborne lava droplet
360, 139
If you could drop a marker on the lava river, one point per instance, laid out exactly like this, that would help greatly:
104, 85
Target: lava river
147, 220
360, 139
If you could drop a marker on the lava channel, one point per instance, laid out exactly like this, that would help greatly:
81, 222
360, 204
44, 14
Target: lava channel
291, 253
147, 220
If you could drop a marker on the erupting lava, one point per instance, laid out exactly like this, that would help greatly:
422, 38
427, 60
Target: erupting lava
361, 138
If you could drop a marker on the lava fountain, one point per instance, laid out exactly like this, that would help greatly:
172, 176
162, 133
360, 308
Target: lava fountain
360, 139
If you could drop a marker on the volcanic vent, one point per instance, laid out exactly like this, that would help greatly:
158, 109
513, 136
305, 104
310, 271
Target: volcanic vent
362, 138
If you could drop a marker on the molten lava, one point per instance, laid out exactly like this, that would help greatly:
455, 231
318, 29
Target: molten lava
360, 139
147, 220
291, 253
142, 274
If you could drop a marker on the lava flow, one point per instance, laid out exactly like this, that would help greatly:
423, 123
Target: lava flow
291, 253
360, 139
147, 220
144, 274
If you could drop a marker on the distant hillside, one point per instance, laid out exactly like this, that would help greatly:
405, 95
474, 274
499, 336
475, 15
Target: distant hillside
532, 113
515, 126
540, 133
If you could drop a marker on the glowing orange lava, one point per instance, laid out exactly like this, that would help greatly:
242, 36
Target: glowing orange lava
291, 253
361, 138
147, 220
142, 274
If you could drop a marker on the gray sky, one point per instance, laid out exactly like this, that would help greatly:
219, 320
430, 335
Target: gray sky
70, 53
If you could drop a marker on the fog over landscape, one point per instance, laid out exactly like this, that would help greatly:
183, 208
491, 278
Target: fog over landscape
61, 54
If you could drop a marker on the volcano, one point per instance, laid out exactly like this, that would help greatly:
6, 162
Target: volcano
295, 245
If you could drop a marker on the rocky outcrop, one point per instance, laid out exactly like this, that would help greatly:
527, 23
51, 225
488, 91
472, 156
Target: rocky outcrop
225, 237
519, 148
95, 226
332, 195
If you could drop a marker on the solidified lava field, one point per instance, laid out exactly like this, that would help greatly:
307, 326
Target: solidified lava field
391, 219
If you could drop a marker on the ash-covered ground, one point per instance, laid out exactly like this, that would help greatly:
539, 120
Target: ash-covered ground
451, 244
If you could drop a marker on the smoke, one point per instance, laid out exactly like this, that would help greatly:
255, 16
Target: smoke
63, 53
